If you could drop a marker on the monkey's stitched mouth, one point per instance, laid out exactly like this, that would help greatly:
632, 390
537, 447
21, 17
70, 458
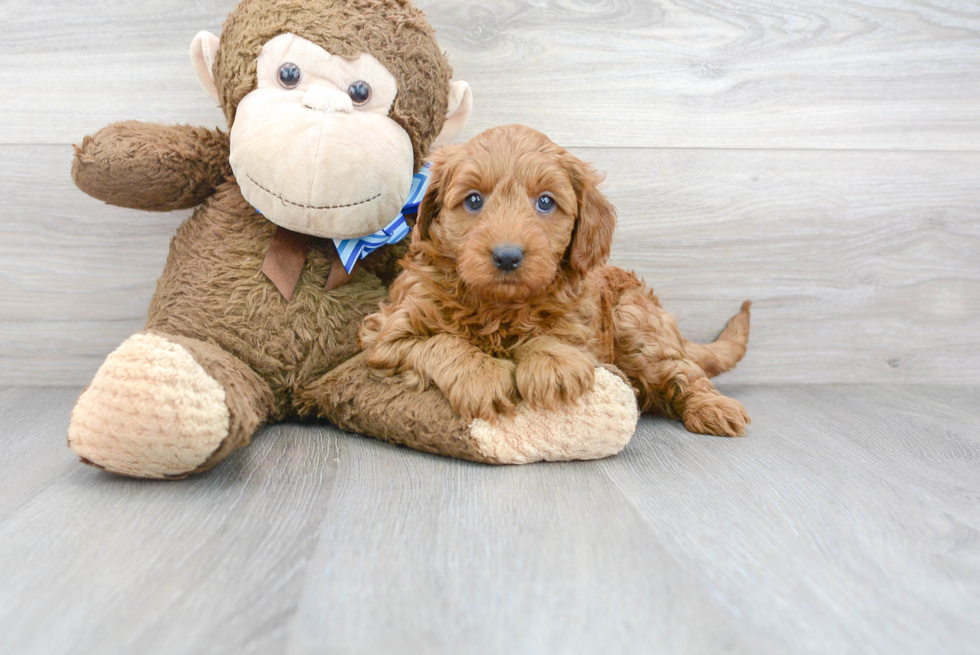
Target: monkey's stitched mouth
296, 204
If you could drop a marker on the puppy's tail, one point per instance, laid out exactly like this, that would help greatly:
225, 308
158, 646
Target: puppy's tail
722, 355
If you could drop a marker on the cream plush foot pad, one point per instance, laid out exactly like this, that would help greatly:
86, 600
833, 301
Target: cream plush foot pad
599, 425
151, 412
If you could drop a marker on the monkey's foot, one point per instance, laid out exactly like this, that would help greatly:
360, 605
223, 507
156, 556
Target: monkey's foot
152, 411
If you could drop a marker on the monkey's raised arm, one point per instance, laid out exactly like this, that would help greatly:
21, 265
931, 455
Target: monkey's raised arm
151, 167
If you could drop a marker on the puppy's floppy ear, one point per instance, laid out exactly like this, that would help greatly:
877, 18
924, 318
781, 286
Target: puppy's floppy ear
432, 201
596, 220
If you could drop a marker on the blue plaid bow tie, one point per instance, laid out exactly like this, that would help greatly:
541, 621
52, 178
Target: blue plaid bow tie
354, 250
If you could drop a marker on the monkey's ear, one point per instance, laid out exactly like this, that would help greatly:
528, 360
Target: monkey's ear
460, 108
204, 50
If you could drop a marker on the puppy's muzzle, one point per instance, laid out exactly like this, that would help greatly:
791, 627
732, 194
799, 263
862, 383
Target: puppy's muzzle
507, 258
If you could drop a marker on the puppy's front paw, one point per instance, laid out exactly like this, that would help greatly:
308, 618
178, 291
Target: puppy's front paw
388, 354
487, 391
546, 380
716, 415
370, 330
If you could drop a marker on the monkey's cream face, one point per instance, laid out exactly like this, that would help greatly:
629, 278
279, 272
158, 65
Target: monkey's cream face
313, 148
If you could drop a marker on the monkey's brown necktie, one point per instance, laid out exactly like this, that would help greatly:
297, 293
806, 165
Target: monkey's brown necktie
286, 257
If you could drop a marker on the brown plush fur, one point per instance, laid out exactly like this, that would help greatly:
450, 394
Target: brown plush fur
152, 167
487, 337
271, 356
250, 400
355, 398
287, 343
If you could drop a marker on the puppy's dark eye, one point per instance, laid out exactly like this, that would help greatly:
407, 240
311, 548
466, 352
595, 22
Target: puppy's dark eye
473, 202
289, 76
546, 204
359, 92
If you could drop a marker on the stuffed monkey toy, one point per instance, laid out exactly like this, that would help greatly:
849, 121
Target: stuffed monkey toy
332, 106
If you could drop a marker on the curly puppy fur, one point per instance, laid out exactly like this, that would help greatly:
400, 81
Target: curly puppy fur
487, 328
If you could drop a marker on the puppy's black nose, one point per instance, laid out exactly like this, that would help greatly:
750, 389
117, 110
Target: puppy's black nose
507, 258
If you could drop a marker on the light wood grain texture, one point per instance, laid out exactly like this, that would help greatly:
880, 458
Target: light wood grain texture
129, 566
902, 74
863, 266
845, 522
849, 481
820, 158
736, 136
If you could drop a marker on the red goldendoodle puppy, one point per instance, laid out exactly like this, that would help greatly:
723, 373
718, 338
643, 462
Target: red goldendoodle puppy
505, 294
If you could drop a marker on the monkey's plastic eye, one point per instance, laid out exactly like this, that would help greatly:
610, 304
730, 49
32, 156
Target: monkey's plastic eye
473, 202
359, 92
546, 204
289, 75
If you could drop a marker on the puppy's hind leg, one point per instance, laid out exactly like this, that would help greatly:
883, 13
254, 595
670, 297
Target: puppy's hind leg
681, 387
650, 350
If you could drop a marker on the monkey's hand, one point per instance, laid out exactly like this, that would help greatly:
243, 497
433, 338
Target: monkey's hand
357, 400
151, 167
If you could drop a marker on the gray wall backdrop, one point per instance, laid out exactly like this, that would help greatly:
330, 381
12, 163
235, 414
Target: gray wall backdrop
821, 158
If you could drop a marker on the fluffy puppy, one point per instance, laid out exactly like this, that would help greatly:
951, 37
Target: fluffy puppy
505, 295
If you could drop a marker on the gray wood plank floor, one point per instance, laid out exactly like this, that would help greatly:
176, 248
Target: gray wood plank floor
847, 522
